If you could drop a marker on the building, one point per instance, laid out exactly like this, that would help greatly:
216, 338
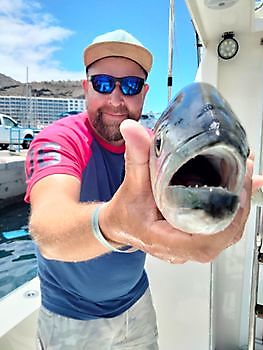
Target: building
37, 111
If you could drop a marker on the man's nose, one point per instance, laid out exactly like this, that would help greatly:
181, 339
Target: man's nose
116, 97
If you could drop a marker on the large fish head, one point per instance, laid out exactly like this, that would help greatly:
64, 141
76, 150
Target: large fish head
198, 161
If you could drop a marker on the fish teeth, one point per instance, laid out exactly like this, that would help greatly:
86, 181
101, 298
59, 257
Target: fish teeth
197, 186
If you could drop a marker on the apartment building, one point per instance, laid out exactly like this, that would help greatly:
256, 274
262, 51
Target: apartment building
38, 111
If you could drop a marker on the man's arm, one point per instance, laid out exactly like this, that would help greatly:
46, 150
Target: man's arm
59, 223
62, 226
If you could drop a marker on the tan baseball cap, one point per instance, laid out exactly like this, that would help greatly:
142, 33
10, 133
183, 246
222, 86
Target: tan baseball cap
118, 43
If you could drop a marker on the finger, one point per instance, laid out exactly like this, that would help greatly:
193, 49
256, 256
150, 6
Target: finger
137, 141
137, 144
245, 195
251, 156
250, 165
257, 182
173, 245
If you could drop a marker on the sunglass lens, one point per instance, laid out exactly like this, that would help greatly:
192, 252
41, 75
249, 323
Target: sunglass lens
131, 85
103, 83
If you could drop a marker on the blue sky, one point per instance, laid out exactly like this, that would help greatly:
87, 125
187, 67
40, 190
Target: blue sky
49, 36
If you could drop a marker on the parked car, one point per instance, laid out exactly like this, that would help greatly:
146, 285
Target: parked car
13, 133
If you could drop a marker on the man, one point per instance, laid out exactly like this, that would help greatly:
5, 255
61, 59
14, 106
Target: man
95, 292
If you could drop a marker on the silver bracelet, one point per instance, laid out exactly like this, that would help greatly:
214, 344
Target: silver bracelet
99, 235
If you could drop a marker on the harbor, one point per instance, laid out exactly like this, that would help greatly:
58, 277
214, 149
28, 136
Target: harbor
12, 177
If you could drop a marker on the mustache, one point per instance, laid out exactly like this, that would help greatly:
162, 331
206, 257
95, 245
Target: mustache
114, 110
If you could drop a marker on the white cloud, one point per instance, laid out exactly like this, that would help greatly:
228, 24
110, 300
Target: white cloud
28, 38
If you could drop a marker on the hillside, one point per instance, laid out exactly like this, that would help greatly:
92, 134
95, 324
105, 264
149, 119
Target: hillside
56, 89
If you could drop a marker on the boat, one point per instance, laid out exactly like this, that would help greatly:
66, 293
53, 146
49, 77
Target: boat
214, 306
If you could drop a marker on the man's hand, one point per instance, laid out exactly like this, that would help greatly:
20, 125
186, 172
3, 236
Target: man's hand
134, 219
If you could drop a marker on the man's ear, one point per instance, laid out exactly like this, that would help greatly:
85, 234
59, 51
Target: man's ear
146, 88
85, 85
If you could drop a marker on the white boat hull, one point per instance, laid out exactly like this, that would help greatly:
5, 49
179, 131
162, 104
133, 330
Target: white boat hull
19, 311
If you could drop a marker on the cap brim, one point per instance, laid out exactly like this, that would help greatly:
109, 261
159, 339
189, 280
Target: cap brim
133, 52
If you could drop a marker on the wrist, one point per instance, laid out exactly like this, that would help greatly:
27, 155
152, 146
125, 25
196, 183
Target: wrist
99, 233
107, 224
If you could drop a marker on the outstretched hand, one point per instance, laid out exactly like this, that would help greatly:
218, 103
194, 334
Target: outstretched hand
134, 219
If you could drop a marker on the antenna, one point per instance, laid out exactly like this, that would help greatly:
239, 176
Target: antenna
170, 50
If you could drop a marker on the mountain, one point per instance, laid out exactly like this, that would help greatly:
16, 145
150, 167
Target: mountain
56, 89
6, 82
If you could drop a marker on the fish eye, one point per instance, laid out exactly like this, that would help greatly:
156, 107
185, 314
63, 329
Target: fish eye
158, 144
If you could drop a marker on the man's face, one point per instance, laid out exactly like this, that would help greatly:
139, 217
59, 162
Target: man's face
107, 111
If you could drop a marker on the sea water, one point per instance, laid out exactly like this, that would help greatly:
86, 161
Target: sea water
17, 250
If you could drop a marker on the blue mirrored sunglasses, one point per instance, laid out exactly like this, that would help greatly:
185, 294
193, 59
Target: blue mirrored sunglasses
105, 84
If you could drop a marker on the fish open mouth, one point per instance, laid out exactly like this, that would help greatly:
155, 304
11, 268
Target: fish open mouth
203, 193
217, 167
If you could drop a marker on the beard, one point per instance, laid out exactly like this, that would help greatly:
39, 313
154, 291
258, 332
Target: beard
110, 130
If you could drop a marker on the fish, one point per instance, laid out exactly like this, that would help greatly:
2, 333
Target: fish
197, 162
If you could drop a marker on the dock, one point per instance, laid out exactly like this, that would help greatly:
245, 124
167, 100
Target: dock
12, 177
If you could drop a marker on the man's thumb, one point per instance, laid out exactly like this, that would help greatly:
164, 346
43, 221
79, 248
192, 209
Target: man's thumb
137, 144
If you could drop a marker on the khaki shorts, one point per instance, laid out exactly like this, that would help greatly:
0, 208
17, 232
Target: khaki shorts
134, 329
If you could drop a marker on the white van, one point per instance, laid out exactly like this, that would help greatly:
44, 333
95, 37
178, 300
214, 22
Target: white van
12, 133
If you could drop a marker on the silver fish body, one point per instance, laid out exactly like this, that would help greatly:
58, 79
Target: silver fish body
198, 160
